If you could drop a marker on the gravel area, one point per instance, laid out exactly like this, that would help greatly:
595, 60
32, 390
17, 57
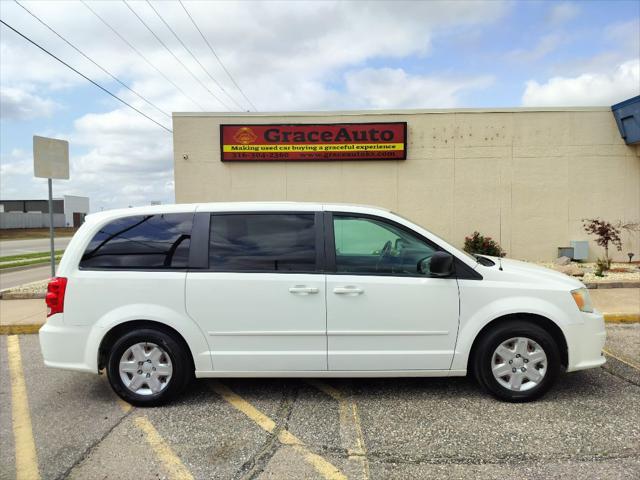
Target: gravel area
620, 272
28, 290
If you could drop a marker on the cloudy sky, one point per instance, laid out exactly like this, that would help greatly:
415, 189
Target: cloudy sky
284, 56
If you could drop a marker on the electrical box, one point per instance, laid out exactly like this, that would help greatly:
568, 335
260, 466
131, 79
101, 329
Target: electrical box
565, 252
580, 249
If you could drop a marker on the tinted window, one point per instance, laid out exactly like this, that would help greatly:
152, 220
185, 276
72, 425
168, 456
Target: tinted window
263, 243
368, 246
150, 241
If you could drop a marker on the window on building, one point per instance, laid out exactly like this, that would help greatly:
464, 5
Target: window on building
369, 246
262, 243
141, 242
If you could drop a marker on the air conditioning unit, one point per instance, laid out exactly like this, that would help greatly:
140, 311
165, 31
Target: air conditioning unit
580, 249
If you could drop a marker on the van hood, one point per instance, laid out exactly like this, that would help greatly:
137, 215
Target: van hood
524, 272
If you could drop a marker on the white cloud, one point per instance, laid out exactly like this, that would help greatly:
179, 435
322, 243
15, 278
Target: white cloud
562, 12
544, 46
394, 88
18, 104
586, 89
285, 55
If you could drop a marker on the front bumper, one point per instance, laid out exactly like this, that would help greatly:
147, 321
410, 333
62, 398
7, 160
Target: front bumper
65, 346
585, 342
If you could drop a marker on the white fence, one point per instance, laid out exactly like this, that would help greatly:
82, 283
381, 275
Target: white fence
29, 220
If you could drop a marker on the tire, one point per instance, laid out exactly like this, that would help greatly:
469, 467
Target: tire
514, 346
161, 366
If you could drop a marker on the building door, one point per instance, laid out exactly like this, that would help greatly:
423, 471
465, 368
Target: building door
78, 219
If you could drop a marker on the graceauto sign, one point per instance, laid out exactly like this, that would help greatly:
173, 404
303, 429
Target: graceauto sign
312, 142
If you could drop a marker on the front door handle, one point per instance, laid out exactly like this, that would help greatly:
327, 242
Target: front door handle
302, 290
348, 290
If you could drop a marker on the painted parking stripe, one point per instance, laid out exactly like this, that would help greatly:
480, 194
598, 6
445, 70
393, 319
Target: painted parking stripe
626, 362
25, 447
322, 466
351, 435
171, 462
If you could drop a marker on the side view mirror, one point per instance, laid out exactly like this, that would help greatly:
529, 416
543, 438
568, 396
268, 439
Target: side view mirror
440, 265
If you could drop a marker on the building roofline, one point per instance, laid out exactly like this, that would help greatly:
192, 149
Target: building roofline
334, 113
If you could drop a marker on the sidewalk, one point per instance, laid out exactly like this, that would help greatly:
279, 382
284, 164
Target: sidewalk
22, 316
618, 303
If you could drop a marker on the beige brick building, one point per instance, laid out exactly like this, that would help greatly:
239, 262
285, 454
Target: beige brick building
524, 176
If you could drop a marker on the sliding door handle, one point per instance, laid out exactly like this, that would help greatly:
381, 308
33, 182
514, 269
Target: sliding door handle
302, 290
348, 290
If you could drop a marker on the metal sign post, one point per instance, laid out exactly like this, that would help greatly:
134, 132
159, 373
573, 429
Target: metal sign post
51, 160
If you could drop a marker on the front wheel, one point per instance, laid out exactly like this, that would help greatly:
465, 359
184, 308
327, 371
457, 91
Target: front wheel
148, 367
517, 361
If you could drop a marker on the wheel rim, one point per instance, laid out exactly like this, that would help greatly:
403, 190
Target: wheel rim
519, 364
145, 368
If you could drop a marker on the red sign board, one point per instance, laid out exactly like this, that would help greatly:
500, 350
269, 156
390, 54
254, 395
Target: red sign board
311, 142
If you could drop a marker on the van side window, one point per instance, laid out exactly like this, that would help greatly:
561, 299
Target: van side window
262, 243
368, 246
140, 242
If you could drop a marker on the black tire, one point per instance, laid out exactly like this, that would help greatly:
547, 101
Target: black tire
483, 358
181, 362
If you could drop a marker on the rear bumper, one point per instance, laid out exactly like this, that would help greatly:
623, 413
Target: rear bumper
64, 346
585, 342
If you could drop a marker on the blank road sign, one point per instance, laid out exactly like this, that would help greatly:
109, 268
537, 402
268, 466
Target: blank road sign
50, 158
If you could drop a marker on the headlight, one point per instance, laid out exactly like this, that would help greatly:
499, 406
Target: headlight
582, 299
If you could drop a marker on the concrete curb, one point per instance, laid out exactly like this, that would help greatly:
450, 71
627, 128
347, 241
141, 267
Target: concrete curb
20, 329
5, 295
622, 317
626, 284
31, 328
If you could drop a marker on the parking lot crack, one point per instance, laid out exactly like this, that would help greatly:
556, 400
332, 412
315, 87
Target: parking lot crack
261, 458
90, 449
614, 371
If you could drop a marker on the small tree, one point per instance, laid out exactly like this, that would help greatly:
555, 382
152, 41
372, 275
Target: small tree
477, 243
605, 234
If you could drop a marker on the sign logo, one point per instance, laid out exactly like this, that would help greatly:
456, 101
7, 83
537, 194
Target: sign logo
245, 136
313, 142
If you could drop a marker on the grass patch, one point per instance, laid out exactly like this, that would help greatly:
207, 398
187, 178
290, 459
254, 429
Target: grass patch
27, 233
27, 262
28, 256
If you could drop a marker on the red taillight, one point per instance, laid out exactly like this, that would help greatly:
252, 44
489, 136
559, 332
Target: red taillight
55, 295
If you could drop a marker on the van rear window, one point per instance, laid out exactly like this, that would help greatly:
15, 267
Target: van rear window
141, 242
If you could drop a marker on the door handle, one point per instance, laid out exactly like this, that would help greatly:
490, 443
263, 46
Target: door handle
348, 290
302, 290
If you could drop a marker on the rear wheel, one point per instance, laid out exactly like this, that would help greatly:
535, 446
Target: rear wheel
148, 367
517, 361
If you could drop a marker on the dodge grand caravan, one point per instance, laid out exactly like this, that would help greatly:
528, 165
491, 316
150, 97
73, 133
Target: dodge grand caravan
158, 295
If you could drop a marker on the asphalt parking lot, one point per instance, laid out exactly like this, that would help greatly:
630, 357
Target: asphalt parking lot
70, 425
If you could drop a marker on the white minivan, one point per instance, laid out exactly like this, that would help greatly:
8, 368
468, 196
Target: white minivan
158, 295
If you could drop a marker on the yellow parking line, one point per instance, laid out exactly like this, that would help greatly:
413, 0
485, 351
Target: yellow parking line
26, 458
350, 425
322, 466
626, 362
171, 462
124, 406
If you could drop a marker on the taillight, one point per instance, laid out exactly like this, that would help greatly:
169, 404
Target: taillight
55, 295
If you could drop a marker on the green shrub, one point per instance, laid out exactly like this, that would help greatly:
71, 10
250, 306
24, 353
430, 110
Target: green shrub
480, 244
602, 265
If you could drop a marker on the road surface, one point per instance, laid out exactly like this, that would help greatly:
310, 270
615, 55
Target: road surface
32, 245
19, 277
